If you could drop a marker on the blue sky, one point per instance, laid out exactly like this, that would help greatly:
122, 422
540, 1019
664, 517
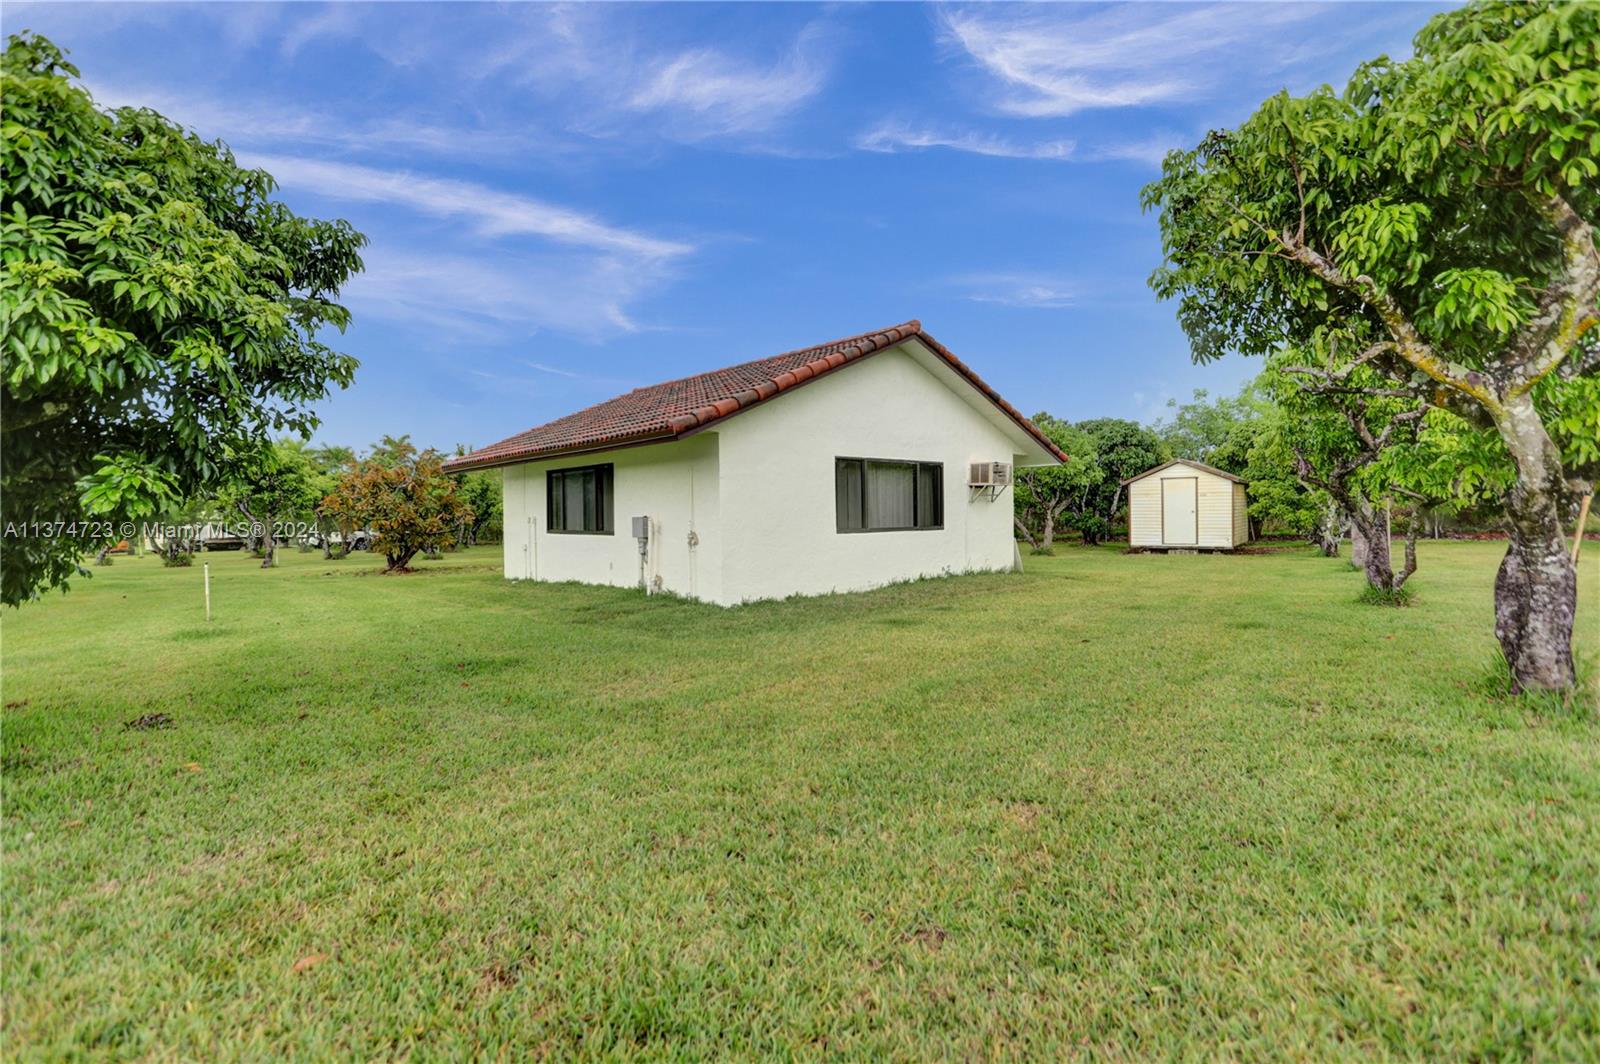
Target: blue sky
565, 202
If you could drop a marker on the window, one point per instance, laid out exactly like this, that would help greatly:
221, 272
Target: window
878, 496
580, 499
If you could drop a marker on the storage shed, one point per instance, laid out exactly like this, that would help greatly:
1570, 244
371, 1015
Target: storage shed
1186, 505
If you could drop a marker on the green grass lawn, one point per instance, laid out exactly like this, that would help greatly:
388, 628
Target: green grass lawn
1118, 806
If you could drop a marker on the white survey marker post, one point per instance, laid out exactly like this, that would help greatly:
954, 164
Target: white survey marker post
206, 568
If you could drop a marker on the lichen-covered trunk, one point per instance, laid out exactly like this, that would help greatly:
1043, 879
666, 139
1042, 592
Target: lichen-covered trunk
1536, 590
1359, 541
1329, 531
1369, 534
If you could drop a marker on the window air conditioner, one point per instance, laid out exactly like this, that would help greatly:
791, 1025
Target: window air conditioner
989, 474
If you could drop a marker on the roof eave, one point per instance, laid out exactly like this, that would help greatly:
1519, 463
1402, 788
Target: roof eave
468, 463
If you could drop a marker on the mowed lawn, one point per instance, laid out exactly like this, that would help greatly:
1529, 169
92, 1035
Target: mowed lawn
1117, 807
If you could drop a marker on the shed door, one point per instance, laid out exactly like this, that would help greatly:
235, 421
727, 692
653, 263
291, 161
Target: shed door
1180, 521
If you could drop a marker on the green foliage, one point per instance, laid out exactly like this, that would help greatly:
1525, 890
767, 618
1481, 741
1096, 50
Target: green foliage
482, 491
1218, 431
1424, 204
160, 310
275, 484
1041, 495
1122, 449
1279, 501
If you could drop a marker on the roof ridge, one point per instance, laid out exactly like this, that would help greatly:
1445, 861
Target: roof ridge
914, 325
680, 408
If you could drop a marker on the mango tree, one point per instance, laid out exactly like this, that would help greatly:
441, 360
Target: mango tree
1042, 495
160, 309
1437, 219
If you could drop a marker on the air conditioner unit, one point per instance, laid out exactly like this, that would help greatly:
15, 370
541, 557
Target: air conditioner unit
989, 474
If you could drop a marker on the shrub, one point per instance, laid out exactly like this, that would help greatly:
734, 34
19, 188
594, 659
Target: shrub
1377, 596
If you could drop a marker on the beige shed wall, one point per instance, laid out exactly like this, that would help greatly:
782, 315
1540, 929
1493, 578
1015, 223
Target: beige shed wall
1217, 504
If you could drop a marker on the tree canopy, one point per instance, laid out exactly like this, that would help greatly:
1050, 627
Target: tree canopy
405, 498
1432, 226
161, 311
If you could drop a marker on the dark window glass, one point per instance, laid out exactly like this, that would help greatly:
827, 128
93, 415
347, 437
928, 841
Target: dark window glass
847, 488
871, 495
580, 499
930, 496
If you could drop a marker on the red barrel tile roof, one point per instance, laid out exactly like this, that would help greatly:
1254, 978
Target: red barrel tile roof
677, 408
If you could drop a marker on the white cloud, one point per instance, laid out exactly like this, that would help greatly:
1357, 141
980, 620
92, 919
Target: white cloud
602, 63
892, 137
241, 123
1055, 60
1151, 150
557, 370
712, 93
492, 212
1040, 291
499, 296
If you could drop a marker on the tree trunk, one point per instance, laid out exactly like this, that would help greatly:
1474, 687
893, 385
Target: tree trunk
1368, 524
250, 528
1412, 531
1536, 590
269, 546
1358, 543
327, 542
1328, 532
398, 561
1047, 538
1027, 535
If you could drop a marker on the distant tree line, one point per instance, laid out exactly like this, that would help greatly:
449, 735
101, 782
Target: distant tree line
392, 498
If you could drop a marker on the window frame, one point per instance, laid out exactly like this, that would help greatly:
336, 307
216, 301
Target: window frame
917, 467
605, 491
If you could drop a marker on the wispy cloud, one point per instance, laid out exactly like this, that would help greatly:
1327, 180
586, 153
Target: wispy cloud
718, 94
608, 69
1040, 291
557, 370
892, 137
242, 123
536, 265
1056, 60
492, 212
502, 295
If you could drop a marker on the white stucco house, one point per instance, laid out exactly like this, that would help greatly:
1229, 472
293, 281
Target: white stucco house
839, 467
1184, 505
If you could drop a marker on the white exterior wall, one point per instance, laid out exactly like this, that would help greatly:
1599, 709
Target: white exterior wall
674, 483
777, 461
1216, 502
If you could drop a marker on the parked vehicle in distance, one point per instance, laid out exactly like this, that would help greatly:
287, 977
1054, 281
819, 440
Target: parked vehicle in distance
360, 539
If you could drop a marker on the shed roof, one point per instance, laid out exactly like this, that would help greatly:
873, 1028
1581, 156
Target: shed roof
1188, 462
678, 408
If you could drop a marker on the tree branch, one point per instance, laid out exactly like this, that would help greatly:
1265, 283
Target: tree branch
1567, 306
1408, 341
